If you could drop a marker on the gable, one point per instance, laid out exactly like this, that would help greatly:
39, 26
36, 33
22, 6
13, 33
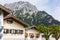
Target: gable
13, 25
32, 31
13, 18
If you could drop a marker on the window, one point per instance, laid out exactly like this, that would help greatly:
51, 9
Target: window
6, 31
9, 21
16, 31
20, 31
12, 31
37, 35
43, 35
31, 35
26, 35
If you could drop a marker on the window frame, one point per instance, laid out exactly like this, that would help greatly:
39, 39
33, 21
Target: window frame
31, 35
6, 31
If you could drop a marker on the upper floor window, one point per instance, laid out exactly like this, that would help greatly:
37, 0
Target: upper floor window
6, 31
13, 31
20, 31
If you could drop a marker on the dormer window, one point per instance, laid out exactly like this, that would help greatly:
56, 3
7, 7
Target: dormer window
9, 21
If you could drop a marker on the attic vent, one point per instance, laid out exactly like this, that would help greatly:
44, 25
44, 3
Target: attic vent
9, 21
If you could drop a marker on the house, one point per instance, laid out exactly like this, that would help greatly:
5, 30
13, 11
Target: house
13, 28
32, 33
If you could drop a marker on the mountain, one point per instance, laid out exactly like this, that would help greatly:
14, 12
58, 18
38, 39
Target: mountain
23, 6
30, 14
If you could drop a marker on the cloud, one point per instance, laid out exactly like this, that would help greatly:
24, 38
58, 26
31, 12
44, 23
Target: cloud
57, 13
43, 4
11, 1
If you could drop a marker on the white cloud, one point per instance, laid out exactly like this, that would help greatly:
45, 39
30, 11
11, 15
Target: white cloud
11, 1
57, 13
42, 4
31, 1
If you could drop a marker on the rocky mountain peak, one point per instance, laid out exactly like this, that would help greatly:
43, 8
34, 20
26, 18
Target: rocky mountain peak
21, 4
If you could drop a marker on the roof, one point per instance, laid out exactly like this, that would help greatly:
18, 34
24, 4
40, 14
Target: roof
5, 10
31, 27
17, 20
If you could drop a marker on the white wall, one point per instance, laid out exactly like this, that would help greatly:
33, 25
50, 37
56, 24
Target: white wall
14, 25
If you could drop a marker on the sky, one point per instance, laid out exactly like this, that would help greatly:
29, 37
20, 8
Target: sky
52, 7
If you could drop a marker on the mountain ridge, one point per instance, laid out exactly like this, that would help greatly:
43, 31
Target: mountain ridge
30, 14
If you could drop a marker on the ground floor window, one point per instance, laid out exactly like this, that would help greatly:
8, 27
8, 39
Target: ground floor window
26, 35
31, 35
37, 35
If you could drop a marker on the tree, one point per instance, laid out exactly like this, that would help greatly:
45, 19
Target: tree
56, 31
46, 30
